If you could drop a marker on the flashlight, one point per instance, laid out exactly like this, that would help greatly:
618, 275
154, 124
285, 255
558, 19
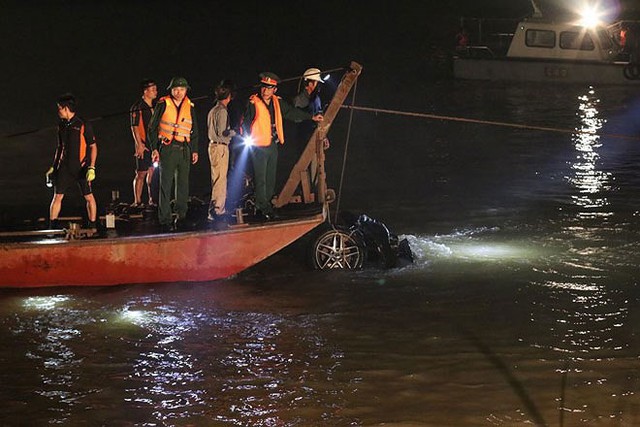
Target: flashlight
248, 141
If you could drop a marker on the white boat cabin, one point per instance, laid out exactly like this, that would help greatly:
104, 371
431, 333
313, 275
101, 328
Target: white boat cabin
562, 41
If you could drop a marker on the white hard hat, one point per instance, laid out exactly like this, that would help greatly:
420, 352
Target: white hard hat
312, 74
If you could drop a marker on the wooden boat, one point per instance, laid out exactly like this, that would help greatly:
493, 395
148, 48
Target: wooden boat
200, 255
559, 51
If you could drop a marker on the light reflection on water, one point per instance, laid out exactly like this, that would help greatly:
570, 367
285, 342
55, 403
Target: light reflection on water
588, 178
523, 303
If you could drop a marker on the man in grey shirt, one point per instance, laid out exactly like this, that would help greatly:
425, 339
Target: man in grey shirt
220, 134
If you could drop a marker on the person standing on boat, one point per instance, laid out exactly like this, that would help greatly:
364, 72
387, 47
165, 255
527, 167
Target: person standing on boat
140, 115
220, 134
173, 139
262, 127
308, 99
74, 160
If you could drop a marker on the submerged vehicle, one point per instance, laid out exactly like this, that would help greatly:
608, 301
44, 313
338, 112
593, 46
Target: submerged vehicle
129, 253
566, 50
363, 241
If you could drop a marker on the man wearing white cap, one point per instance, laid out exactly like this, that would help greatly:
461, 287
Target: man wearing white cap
308, 99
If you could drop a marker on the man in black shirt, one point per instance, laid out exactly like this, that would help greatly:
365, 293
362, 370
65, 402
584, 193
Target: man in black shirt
74, 160
140, 115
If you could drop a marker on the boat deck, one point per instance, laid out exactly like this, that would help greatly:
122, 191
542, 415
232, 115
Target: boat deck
137, 221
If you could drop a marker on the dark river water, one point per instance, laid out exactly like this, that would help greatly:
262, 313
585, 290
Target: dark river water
522, 308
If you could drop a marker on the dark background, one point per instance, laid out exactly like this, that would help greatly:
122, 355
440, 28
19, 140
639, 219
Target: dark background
100, 50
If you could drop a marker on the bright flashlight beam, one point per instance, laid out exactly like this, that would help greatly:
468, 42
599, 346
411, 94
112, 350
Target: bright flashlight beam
45, 303
248, 141
133, 316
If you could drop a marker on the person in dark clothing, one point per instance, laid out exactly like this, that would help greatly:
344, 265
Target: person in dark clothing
74, 160
140, 116
308, 99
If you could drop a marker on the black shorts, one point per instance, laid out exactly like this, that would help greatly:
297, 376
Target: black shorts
65, 178
143, 164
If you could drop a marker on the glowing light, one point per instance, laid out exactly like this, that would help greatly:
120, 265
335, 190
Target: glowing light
156, 164
590, 17
326, 78
459, 247
489, 251
590, 181
133, 316
248, 141
44, 303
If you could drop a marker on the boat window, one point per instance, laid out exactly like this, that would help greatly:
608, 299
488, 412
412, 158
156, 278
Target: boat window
576, 40
605, 39
540, 38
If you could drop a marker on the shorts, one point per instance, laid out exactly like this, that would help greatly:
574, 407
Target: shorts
65, 178
143, 164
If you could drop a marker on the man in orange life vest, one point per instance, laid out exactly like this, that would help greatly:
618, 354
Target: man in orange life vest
74, 160
140, 115
173, 139
262, 126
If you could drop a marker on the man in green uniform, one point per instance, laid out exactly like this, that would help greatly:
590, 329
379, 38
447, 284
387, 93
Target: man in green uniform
262, 125
173, 139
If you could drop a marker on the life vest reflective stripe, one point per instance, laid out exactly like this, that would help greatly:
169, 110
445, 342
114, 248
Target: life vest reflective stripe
175, 124
261, 126
83, 145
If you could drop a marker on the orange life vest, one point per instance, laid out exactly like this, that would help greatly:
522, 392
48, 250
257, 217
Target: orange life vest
261, 126
175, 124
83, 146
141, 126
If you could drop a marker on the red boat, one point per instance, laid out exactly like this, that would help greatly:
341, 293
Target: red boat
195, 255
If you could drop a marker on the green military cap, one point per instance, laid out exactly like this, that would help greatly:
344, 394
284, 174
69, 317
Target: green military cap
178, 82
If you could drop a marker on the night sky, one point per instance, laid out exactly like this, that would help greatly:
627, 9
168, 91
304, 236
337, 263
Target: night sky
100, 50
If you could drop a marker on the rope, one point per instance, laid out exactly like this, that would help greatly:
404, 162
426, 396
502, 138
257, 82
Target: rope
489, 122
346, 149
199, 98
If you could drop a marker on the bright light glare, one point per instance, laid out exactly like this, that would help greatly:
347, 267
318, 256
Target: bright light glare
489, 251
460, 248
248, 141
44, 303
133, 316
590, 17
326, 78
155, 164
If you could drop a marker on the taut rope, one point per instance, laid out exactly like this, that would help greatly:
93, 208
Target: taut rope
488, 122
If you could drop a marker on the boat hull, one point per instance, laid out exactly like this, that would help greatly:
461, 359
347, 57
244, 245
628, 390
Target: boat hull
535, 70
180, 257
